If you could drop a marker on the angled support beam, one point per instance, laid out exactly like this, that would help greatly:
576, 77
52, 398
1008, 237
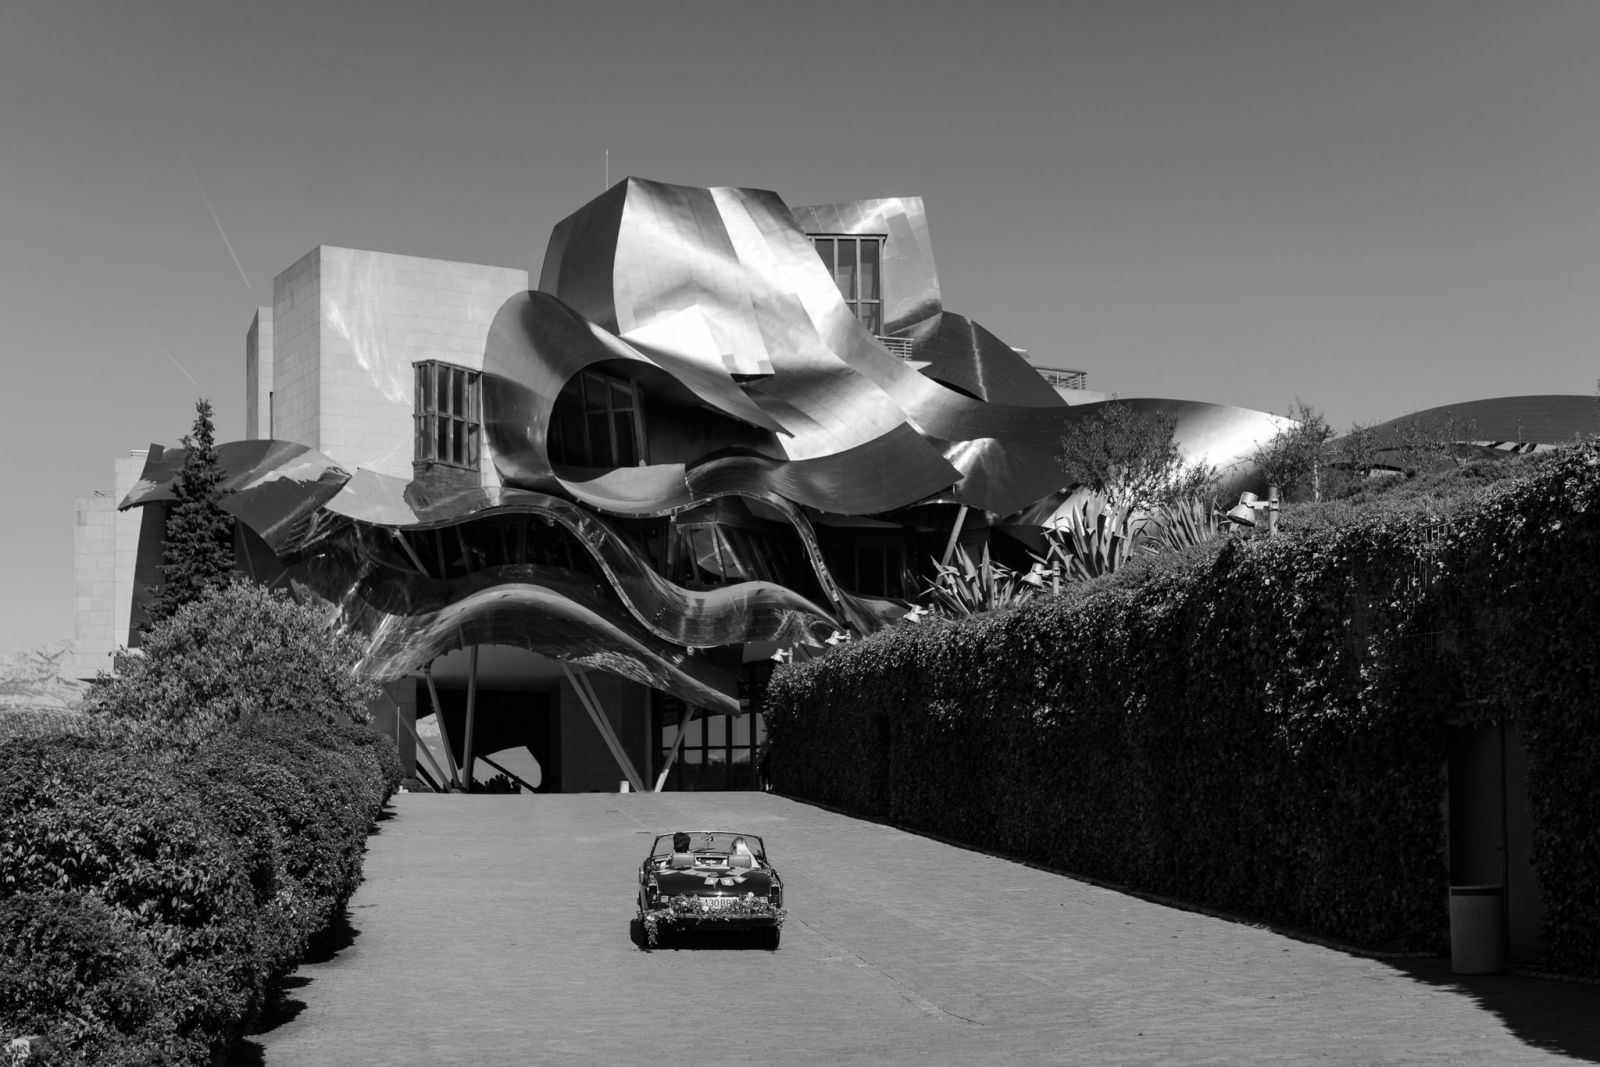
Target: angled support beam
425, 752
591, 704
955, 535
410, 552
472, 716
444, 732
677, 746
515, 777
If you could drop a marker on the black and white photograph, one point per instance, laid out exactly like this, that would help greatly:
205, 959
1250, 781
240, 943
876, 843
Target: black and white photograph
818, 533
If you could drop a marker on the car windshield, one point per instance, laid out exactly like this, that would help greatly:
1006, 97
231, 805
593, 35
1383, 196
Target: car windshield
710, 842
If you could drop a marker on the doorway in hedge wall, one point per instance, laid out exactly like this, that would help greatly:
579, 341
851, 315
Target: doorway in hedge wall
1491, 829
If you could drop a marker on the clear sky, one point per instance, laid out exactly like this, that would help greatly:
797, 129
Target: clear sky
1373, 206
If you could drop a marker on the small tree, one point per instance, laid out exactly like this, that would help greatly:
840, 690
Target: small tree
1428, 443
1132, 457
197, 548
1358, 451
1296, 456
239, 651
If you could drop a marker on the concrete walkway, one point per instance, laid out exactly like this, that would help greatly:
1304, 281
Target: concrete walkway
495, 930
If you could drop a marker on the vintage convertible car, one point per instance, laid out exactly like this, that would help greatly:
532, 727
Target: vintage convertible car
710, 879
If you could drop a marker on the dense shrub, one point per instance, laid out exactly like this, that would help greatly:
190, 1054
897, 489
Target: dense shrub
78, 979
1261, 730
87, 818
240, 652
187, 846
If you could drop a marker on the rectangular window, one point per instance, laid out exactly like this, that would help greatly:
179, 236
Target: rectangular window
447, 414
718, 751
855, 261
598, 422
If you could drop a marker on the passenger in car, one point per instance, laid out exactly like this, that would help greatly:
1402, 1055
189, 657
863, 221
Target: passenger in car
741, 856
681, 856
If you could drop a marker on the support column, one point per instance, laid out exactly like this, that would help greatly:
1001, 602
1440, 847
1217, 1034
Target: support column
425, 753
677, 746
955, 535
467, 756
444, 731
591, 704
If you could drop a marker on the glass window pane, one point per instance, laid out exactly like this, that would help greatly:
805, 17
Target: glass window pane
870, 251
696, 732
717, 727
872, 316
844, 269
825, 250
622, 425
741, 731
595, 389
761, 728
599, 439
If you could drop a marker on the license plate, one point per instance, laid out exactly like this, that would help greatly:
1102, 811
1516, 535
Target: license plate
718, 903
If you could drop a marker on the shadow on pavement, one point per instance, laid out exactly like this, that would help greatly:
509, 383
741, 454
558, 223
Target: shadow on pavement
1559, 1017
281, 1006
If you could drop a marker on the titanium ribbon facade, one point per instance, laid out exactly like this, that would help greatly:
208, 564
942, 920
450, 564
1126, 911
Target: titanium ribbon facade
719, 426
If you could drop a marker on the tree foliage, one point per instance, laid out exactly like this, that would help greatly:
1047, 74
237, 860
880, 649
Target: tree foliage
239, 652
197, 549
1132, 457
1295, 459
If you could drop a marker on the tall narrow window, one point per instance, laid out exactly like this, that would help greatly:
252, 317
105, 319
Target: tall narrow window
598, 422
856, 261
447, 417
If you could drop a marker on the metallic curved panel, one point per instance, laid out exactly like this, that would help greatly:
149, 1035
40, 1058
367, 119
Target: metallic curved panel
273, 487
558, 619
716, 305
1222, 435
965, 356
1547, 419
746, 611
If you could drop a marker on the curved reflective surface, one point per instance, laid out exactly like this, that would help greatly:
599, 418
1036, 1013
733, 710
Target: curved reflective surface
688, 430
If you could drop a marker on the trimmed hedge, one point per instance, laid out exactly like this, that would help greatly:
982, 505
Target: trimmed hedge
1262, 731
206, 879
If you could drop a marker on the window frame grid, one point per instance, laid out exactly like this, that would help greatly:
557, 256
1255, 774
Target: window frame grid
856, 299
446, 417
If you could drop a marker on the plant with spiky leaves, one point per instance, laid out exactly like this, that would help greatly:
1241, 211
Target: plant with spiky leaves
968, 586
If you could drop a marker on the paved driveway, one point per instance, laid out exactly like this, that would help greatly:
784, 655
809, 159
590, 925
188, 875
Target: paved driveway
495, 930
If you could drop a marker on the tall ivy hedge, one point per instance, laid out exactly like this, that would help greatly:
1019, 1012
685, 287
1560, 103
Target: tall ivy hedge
1263, 732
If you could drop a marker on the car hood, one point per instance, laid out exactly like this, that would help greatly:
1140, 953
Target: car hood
712, 883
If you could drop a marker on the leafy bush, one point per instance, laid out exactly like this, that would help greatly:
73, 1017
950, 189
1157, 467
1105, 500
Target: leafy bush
1259, 727
204, 826
80, 984
240, 652
82, 817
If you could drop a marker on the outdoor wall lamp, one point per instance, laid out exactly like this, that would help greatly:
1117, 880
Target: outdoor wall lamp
1244, 512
